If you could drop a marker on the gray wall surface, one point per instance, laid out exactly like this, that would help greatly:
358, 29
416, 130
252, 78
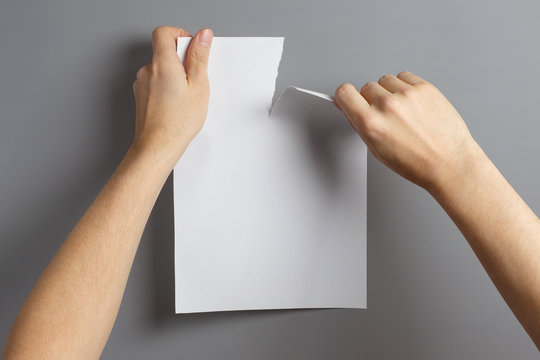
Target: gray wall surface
67, 114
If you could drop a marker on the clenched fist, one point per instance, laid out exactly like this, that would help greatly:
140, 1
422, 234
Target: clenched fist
411, 127
172, 100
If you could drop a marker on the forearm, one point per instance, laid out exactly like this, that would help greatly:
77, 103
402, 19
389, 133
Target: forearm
503, 232
408, 124
72, 308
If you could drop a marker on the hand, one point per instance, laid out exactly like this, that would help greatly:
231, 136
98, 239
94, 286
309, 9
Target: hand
172, 101
411, 127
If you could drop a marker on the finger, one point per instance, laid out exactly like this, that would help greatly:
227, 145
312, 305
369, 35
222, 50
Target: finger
197, 56
143, 72
164, 42
352, 104
410, 78
393, 84
141, 78
373, 91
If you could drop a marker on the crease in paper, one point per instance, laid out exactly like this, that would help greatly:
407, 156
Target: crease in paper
269, 201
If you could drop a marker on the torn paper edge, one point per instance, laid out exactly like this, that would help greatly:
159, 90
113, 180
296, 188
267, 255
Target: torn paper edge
310, 92
306, 91
276, 71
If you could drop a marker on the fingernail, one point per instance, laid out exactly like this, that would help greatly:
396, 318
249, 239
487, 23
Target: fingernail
205, 37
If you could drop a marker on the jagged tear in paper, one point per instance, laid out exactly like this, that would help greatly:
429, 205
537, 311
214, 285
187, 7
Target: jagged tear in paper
270, 209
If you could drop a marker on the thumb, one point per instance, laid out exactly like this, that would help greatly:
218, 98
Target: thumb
197, 56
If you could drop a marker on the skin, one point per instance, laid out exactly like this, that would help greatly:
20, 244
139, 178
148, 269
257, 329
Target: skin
413, 129
72, 308
405, 122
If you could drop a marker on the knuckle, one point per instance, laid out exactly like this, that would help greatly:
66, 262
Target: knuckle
142, 71
199, 57
410, 92
158, 31
385, 77
424, 86
403, 73
387, 103
345, 89
367, 86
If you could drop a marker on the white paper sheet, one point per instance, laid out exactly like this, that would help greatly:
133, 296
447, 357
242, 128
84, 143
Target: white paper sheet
270, 211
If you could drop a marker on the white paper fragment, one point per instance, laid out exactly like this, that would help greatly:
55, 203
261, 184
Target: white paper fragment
270, 211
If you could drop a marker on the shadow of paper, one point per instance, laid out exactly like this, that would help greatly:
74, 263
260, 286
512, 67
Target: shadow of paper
325, 132
324, 128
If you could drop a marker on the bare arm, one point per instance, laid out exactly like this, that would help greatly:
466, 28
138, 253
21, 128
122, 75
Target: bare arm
72, 308
412, 128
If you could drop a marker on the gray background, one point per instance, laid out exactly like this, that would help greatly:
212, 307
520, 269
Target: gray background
66, 69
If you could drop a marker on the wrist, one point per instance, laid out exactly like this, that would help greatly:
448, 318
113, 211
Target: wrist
163, 155
470, 170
